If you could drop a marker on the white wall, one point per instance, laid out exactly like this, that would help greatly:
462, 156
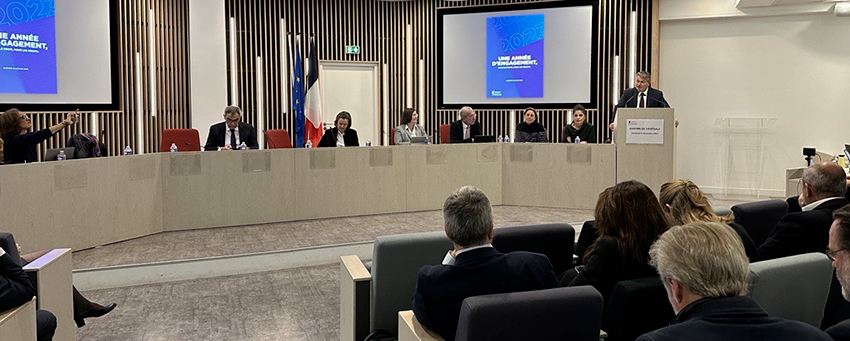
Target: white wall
793, 68
208, 60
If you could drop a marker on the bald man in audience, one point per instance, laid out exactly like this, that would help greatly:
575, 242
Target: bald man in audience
473, 267
839, 246
705, 272
824, 184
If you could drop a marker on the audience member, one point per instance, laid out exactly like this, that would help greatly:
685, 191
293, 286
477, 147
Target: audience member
641, 96
705, 272
839, 245
465, 128
409, 127
83, 308
19, 143
341, 135
529, 130
16, 289
685, 203
808, 231
231, 133
579, 128
628, 219
473, 267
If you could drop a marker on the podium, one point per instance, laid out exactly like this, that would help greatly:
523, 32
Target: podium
646, 145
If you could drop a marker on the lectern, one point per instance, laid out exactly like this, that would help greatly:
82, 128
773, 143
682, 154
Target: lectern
646, 145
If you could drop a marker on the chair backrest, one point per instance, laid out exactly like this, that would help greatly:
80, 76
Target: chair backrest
278, 138
552, 240
396, 260
571, 313
586, 237
445, 133
187, 140
636, 307
794, 287
760, 217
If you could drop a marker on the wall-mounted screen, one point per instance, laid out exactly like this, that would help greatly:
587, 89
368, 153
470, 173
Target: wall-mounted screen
524, 54
57, 54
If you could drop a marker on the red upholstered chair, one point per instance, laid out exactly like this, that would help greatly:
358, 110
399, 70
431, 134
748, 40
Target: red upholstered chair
278, 138
187, 140
444, 133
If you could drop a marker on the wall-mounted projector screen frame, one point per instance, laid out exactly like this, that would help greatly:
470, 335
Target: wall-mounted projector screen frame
563, 85
76, 23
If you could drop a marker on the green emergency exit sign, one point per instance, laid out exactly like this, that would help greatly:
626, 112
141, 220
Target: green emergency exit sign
352, 49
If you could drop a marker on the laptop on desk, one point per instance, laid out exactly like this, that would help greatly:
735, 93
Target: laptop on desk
483, 138
419, 140
51, 154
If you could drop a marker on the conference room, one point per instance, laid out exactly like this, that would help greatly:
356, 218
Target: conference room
170, 156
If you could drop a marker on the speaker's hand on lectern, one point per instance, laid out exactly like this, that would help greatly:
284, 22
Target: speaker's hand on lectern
676, 123
611, 126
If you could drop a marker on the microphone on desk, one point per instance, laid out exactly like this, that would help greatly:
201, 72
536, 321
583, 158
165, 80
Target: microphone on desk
664, 103
625, 105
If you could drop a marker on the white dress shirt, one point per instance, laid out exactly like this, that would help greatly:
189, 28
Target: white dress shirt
815, 204
227, 135
410, 132
449, 260
340, 139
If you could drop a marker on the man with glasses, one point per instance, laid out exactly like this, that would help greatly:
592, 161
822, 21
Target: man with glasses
466, 128
839, 244
232, 132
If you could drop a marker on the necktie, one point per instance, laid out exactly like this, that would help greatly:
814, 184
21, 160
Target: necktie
641, 104
233, 138
465, 132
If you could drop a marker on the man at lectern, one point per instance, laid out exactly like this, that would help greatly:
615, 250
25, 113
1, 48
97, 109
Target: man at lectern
641, 96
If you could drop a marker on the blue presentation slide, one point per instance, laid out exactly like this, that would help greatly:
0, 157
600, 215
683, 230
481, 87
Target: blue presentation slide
27, 47
515, 56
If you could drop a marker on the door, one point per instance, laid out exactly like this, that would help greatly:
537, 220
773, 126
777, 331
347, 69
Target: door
352, 87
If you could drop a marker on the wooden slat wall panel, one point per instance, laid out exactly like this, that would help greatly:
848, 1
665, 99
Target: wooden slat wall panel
379, 28
171, 32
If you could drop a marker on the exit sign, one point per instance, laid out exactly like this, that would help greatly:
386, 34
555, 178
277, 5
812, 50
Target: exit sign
352, 49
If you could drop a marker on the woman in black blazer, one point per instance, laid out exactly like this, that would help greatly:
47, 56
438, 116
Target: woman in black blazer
685, 203
629, 219
342, 128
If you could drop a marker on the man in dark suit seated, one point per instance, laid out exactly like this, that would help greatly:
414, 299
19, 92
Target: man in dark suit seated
466, 128
839, 245
232, 132
16, 289
808, 231
474, 267
641, 96
705, 271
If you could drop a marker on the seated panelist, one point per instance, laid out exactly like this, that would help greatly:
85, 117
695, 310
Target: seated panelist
19, 142
579, 128
232, 132
465, 128
409, 127
341, 135
529, 130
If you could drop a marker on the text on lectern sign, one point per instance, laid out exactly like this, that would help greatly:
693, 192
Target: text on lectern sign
644, 131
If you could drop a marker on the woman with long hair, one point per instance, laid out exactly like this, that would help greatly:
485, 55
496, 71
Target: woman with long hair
628, 219
684, 202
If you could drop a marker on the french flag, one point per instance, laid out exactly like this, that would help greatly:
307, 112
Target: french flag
313, 99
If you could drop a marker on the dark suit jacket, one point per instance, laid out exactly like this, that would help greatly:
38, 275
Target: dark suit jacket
441, 289
329, 138
840, 331
15, 286
456, 132
606, 267
215, 139
630, 98
801, 232
732, 318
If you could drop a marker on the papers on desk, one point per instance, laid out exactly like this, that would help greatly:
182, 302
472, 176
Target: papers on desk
645, 131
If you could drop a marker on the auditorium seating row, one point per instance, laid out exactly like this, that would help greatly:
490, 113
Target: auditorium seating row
792, 287
52, 279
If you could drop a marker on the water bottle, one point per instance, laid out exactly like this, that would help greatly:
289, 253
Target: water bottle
173, 148
242, 146
61, 156
309, 144
128, 150
368, 143
500, 139
578, 140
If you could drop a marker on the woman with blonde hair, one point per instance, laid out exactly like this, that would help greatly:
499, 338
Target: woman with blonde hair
684, 203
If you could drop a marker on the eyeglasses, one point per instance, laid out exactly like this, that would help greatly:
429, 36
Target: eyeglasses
25, 117
233, 120
831, 254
